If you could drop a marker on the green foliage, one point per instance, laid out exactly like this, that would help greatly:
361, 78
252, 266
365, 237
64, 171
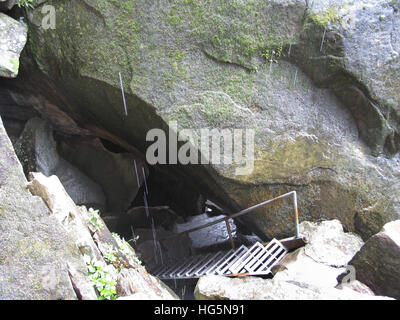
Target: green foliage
331, 15
95, 219
103, 280
272, 55
25, 3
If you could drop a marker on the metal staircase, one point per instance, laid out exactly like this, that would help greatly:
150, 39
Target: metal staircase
256, 260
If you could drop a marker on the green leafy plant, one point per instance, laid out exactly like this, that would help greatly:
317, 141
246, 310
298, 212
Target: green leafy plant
25, 3
272, 55
103, 280
95, 219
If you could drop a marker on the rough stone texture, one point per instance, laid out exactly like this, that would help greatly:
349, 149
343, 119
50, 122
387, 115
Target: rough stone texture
329, 244
201, 65
221, 288
322, 260
378, 262
13, 35
115, 172
83, 287
359, 60
34, 247
95, 244
298, 266
37, 150
132, 282
6, 5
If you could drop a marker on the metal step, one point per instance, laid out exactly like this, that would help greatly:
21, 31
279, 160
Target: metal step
256, 260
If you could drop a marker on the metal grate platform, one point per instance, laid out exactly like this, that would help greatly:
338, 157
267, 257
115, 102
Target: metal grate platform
256, 260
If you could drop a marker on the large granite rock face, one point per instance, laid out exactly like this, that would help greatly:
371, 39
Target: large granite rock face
353, 48
204, 66
13, 36
378, 262
34, 247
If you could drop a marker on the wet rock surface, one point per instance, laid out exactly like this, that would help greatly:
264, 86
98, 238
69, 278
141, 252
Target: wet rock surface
34, 246
312, 137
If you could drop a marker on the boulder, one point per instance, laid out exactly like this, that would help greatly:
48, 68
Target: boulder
218, 67
114, 172
328, 244
132, 284
13, 36
97, 246
377, 264
34, 247
251, 288
298, 266
323, 259
37, 150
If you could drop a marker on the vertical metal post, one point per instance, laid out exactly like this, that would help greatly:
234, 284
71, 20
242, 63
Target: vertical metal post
228, 227
296, 214
123, 93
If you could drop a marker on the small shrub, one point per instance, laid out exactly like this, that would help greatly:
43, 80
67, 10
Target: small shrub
103, 281
272, 55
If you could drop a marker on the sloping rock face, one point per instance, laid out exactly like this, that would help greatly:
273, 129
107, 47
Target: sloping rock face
378, 262
251, 288
203, 65
131, 282
13, 35
34, 248
105, 254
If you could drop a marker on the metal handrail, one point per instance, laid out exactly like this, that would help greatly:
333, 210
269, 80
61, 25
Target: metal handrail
246, 211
